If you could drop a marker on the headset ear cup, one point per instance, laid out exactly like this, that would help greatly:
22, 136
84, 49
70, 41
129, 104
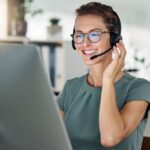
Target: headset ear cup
72, 42
115, 38
73, 45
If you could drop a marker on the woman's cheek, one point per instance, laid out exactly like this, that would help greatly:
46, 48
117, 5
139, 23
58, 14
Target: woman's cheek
79, 52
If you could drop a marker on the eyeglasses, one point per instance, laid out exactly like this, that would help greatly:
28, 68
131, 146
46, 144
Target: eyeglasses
93, 36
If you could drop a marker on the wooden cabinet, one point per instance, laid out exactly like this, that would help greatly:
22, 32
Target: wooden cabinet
146, 143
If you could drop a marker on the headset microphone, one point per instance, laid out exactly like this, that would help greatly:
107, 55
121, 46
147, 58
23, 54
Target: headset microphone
95, 56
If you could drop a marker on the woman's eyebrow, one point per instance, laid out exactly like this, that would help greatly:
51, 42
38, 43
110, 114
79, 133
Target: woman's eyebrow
94, 29
78, 31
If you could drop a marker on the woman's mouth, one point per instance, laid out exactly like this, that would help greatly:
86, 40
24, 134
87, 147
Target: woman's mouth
89, 53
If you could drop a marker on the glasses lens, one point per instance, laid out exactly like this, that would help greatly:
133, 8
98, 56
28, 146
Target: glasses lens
95, 36
78, 38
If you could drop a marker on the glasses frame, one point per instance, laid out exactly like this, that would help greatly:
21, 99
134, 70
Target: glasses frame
87, 35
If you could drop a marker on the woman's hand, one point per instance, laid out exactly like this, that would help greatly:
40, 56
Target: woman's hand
114, 68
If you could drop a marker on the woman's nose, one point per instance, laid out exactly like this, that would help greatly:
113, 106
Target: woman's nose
86, 41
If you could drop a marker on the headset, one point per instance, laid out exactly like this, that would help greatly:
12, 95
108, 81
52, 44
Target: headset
114, 37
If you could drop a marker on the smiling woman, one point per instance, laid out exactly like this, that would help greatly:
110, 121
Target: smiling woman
100, 107
3, 18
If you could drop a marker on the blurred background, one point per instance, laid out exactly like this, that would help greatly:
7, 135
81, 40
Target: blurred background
49, 23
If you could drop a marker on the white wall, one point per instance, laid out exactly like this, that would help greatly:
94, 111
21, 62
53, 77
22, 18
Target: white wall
37, 26
3, 18
69, 65
139, 42
131, 12
74, 67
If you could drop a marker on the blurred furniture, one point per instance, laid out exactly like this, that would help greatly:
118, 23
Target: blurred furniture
40, 43
146, 143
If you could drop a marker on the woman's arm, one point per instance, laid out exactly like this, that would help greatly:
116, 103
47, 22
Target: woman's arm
110, 122
114, 125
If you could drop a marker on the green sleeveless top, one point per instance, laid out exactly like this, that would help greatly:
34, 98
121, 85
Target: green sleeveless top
80, 103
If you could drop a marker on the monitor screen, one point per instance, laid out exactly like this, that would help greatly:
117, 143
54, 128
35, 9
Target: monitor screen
29, 115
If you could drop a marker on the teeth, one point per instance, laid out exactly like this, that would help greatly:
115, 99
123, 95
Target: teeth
89, 51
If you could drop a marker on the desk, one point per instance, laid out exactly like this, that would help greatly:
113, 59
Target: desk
50, 44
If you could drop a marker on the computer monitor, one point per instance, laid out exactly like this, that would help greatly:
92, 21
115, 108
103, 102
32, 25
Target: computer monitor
29, 115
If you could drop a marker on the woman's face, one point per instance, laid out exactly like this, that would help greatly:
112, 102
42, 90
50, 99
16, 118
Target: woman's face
86, 24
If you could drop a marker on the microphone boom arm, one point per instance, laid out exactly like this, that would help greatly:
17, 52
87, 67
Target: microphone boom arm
95, 56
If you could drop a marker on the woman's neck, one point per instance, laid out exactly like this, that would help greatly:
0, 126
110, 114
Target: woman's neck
95, 76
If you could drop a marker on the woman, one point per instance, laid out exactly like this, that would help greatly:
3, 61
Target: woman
106, 108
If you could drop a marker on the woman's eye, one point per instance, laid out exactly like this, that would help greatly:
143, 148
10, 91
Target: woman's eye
78, 35
94, 34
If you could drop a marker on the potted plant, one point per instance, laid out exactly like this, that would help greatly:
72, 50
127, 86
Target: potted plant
54, 30
54, 21
19, 24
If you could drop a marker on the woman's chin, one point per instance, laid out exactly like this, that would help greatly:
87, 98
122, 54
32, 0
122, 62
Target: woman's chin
89, 61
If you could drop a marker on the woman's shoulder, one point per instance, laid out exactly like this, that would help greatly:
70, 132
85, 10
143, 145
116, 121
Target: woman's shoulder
130, 84
137, 88
132, 80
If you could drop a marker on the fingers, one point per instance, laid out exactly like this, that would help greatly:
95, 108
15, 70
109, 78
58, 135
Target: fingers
120, 54
122, 49
116, 53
